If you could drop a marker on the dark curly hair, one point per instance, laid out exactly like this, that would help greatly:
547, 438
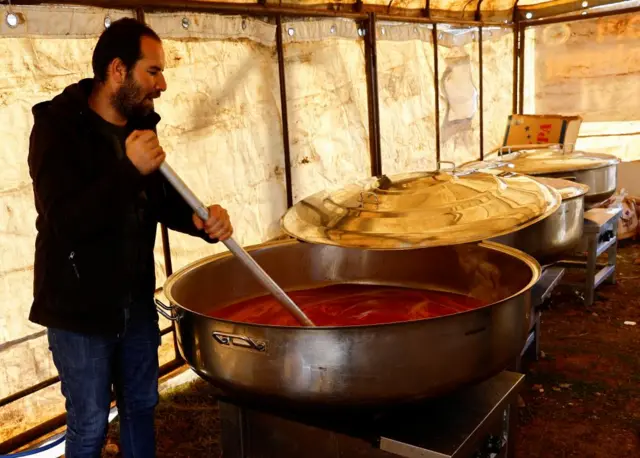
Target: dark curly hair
120, 40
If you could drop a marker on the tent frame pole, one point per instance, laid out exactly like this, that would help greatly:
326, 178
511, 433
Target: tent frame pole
284, 111
359, 13
436, 87
481, 95
516, 85
371, 70
521, 42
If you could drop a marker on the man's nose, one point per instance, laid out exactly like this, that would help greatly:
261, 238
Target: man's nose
161, 83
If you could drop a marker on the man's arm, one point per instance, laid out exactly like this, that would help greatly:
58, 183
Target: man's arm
176, 214
74, 209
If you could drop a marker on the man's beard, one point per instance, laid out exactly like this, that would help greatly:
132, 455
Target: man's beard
130, 99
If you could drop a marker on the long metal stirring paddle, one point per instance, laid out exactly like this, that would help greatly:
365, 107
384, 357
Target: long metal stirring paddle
232, 245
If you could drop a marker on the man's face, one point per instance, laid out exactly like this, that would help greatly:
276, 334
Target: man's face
143, 83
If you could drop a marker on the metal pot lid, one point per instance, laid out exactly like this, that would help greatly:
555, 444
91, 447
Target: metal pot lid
544, 160
421, 209
568, 189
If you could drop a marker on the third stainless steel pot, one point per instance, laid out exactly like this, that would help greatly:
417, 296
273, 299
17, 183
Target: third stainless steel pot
598, 171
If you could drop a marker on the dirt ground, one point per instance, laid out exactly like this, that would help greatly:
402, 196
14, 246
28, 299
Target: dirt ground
581, 399
583, 396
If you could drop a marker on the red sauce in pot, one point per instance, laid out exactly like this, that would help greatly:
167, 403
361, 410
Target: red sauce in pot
350, 305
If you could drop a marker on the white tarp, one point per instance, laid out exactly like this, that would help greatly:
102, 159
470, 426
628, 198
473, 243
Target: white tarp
589, 68
406, 97
327, 103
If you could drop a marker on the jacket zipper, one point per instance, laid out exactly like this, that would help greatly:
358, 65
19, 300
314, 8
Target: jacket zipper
72, 256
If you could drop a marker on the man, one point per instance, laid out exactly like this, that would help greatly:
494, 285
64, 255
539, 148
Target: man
94, 159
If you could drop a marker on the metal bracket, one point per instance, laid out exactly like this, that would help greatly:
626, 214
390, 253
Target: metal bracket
239, 341
163, 309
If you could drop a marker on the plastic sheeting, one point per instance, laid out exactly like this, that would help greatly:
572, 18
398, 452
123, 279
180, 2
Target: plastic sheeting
459, 85
589, 68
406, 98
497, 85
327, 103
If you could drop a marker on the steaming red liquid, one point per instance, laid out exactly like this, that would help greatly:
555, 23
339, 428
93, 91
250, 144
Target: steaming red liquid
350, 305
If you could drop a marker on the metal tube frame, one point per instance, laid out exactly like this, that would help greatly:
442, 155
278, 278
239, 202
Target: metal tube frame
285, 111
562, 16
436, 87
358, 11
516, 44
481, 84
521, 36
371, 70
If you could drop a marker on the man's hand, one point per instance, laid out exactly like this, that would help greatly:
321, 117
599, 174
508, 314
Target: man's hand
218, 226
144, 151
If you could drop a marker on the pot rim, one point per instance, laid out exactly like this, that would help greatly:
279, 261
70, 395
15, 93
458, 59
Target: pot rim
575, 169
570, 190
531, 262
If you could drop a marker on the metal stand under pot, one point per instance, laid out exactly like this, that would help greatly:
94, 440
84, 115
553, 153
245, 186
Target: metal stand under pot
600, 237
476, 422
540, 294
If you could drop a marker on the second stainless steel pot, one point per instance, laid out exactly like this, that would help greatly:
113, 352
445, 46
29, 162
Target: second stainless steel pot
548, 240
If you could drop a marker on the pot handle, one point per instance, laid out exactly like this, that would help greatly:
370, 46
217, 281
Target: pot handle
239, 341
163, 309
507, 174
451, 163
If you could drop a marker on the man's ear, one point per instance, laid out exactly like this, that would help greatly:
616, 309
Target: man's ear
117, 70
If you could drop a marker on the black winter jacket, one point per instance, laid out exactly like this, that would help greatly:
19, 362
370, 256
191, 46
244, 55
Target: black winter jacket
96, 220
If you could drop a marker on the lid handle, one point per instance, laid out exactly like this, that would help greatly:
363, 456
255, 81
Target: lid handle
363, 201
453, 164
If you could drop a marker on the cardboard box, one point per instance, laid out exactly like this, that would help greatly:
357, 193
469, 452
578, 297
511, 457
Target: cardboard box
542, 129
628, 173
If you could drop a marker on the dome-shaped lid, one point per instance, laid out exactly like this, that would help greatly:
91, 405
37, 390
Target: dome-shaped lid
539, 159
568, 189
421, 209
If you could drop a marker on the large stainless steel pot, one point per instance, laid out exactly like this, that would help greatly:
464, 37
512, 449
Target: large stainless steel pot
598, 171
347, 366
551, 238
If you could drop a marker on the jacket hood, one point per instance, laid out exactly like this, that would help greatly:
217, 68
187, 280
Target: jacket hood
73, 103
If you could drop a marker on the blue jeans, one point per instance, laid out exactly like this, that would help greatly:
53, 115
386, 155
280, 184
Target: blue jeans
88, 367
